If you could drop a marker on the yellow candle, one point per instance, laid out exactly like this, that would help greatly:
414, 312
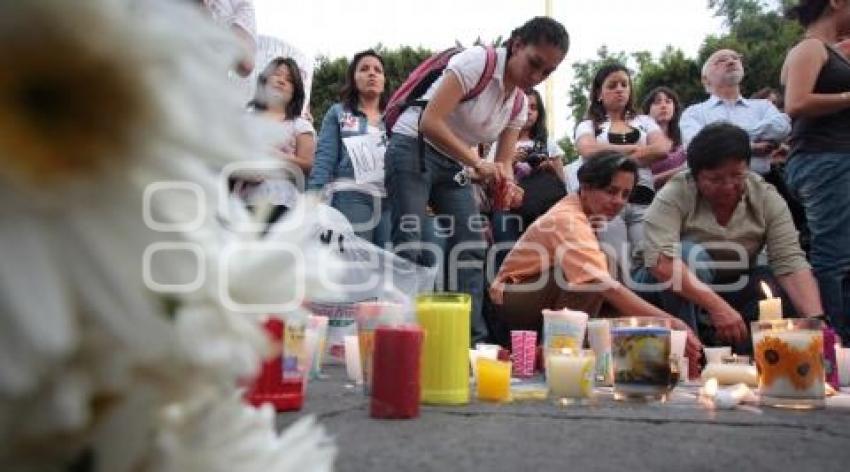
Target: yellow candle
571, 375
494, 379
770, 308
445, 350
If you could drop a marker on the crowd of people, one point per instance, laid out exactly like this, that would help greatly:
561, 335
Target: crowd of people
670, 210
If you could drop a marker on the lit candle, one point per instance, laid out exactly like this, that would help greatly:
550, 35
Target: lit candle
724, 398
789, 355
771, 307
570, 375
494, 380
395, 372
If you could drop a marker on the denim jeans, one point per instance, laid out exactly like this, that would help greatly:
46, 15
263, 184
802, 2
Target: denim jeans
743, 299
821, 181
410, 188
507, 227
370, 216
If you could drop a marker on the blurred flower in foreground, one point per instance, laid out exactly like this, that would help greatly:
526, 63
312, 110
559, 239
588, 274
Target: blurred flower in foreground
100, 100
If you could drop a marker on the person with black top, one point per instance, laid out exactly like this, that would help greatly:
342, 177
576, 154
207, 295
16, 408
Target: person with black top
816, 77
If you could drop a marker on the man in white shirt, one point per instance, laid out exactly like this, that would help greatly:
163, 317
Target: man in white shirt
767, 127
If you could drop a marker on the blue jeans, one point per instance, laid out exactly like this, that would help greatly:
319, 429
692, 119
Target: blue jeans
744, 299
821, 181
507, 227
360, 209
410, 188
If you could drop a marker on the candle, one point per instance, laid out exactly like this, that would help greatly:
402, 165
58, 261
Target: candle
352, 359
789, 355
445, 368
599, 338
641, 355
571, 375
678, 339
484, 351
369, 315
770, 308
730, 374
724, 398
494, 380
830, 359
523, 351
319, 324
563, 329
843, 360
396, 372
270, 386
715, 355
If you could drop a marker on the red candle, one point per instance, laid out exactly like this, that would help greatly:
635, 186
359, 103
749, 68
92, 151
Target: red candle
270, 386
395, 372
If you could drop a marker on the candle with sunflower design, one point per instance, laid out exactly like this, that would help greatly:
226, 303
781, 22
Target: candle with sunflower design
789, 359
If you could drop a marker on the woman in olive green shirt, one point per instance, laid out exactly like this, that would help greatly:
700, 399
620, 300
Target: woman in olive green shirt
704, 232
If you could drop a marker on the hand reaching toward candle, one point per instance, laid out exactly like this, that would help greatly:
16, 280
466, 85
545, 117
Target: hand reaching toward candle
729, 324
693, 346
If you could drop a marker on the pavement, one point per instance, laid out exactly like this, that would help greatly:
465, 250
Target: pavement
680, 434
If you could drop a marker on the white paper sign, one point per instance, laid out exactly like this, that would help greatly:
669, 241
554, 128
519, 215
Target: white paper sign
367, 156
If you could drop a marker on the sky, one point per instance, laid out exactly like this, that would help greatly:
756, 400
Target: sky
338, 28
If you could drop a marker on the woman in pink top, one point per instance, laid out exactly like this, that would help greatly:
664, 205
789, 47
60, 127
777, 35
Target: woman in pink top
663, 105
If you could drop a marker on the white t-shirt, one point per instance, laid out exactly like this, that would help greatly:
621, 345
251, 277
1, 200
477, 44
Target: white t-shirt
643, 123
552, 148
482, 119
289, 130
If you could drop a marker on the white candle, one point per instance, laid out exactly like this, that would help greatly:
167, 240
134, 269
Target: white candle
678, 339
843, 359
730, 374
714, 355
599, 338
352, 359
770, 308
571, 375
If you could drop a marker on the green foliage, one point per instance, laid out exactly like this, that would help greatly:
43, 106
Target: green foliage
329, 75
756, 29
673, 70
762, 38
570, 152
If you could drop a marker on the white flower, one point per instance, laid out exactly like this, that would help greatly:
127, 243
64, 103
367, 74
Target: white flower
100, 99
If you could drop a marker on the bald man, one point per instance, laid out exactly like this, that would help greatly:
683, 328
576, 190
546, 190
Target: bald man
766, 126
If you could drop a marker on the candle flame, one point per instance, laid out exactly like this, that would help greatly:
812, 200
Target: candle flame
766, 289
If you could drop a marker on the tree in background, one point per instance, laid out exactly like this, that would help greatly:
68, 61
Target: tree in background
760, 33
329, 75
756, 29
